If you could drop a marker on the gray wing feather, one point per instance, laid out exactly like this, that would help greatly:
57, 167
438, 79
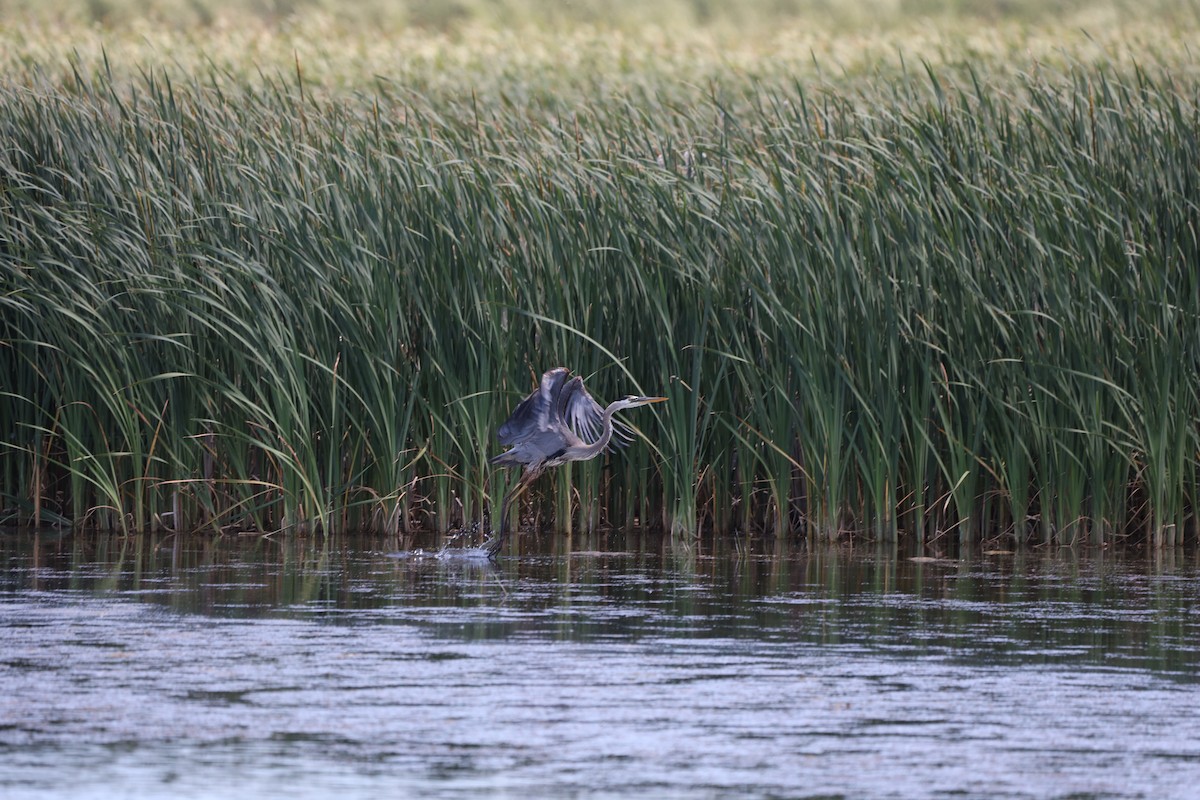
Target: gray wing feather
560, 403
580, 411
534, 413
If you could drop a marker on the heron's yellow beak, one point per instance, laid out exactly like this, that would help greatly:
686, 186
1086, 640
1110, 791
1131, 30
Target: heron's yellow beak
648, 400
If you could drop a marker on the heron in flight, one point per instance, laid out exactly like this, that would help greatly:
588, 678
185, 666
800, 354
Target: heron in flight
547, 429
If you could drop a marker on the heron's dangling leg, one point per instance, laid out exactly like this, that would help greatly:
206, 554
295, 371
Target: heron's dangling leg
493, 547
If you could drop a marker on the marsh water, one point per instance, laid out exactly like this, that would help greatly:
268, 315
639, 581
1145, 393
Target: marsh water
247, 667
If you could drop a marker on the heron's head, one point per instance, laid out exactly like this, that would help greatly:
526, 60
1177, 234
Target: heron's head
632, 401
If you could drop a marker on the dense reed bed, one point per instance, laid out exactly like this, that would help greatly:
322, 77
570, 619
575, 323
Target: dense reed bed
919, 299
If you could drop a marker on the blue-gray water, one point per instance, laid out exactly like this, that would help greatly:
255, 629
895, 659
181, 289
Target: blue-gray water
253, 668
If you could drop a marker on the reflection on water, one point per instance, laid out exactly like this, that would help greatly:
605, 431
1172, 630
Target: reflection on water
189, 667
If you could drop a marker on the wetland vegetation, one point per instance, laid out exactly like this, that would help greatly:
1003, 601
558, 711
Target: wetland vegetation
916, 277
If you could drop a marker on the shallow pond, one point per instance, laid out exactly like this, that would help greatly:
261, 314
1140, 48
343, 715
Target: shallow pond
171, 667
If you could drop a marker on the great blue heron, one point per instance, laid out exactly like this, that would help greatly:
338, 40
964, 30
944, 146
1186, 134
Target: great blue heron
546, 430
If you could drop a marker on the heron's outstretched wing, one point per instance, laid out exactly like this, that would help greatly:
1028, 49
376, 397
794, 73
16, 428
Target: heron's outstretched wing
536, 412
579, 411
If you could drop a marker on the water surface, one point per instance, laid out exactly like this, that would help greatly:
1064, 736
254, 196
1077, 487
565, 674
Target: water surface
172, 667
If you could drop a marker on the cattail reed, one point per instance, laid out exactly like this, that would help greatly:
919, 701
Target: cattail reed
895, 302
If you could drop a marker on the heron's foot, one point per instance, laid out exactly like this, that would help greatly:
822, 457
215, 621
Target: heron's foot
493, 546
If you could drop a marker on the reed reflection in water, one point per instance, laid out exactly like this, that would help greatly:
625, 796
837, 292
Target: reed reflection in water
194, 667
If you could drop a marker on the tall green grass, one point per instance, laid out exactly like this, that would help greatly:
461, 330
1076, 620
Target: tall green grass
931, 302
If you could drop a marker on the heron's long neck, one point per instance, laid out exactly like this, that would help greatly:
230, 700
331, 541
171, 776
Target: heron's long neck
595, 448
